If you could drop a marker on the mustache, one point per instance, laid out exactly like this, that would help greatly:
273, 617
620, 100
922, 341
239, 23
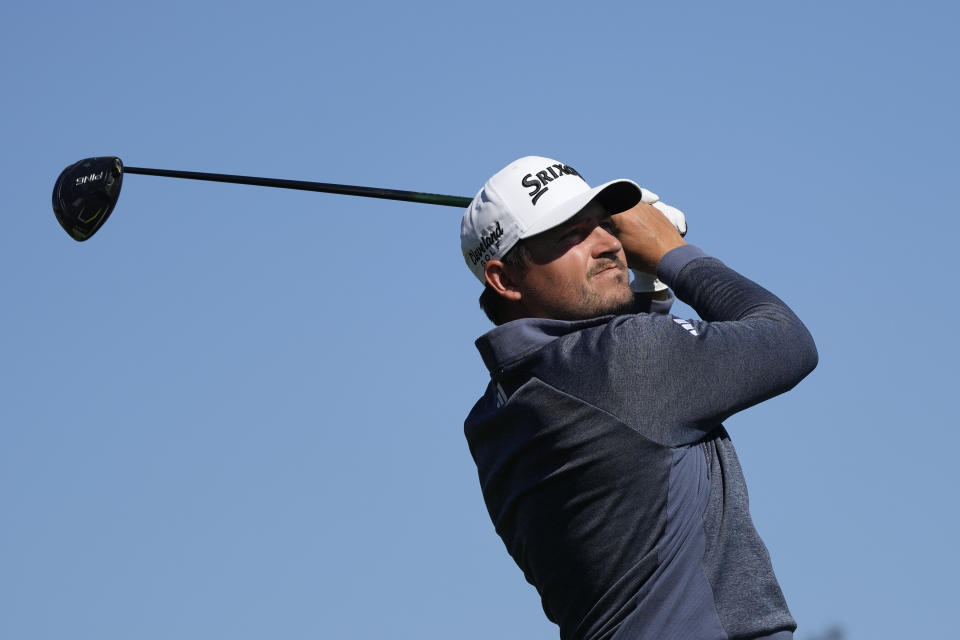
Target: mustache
609, 262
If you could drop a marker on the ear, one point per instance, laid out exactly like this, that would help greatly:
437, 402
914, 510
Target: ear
501, 281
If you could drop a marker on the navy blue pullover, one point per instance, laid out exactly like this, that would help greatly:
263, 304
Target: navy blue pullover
608, 474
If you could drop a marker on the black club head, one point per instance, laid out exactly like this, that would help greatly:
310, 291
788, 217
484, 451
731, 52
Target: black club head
85, 194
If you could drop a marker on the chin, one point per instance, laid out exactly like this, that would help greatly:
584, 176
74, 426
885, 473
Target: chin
613, 298
619, 306
614, 303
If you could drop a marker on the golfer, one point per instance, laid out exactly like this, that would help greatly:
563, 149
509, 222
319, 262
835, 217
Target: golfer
599, 445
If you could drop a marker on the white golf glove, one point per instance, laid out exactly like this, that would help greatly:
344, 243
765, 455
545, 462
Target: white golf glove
644, 282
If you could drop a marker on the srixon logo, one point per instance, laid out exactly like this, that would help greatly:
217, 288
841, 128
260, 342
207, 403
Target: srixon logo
538, 182
481, 252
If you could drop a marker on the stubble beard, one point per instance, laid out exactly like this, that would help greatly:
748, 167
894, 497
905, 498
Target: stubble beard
596, 300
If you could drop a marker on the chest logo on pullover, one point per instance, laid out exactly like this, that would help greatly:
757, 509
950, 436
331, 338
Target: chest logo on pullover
686, 326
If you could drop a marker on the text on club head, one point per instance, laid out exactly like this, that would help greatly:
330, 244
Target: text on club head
93, 177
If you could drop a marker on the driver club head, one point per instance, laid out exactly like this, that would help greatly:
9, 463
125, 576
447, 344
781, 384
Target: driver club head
85, 194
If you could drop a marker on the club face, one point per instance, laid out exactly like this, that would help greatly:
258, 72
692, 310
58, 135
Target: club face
85, 194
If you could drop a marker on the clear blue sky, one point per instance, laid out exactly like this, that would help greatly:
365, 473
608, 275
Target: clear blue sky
237, 412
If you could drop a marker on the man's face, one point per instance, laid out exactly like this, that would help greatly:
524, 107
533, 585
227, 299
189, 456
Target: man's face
576, 271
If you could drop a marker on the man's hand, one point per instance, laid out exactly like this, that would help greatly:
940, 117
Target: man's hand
646, 235
644, 282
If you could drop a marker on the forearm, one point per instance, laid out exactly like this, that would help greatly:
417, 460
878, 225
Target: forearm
718, 293
751, 345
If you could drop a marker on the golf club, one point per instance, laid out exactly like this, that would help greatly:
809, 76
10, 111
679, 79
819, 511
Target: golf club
86, 192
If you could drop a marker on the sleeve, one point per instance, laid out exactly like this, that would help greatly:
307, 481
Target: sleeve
674, 379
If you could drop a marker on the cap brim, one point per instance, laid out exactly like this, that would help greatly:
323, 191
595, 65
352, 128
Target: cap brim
614, 196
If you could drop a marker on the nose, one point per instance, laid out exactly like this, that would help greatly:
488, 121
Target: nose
604, 242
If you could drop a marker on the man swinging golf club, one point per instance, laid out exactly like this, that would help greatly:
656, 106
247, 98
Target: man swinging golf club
599, 445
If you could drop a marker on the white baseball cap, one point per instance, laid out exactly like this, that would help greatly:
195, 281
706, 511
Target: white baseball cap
529, 196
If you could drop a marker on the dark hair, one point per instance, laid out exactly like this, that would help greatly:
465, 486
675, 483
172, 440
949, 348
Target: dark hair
492, 303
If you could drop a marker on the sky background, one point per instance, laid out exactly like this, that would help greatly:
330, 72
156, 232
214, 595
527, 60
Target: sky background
237, 412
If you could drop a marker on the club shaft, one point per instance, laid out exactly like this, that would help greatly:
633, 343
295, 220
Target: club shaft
323, 187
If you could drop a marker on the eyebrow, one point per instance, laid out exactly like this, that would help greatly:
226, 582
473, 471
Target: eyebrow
587, 215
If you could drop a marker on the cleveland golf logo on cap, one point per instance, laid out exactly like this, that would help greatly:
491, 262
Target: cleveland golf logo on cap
487, 240
539, 183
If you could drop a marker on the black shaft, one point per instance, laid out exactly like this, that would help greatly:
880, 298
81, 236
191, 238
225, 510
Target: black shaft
323, 187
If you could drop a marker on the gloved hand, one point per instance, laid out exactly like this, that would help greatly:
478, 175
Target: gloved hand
644, 282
